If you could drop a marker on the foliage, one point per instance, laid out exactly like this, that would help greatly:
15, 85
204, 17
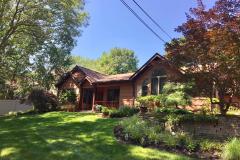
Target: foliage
105, 111
43, 101
116, 61
36, 38
231, 150
135, 126
124, 111
139, 130
68, 96
209, 50
99, 108
175, 94
172, 111
92, 64
150, 101
208, 145
172, 115
94, 139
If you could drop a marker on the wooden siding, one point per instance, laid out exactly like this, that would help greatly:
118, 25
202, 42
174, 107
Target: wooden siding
147, 74
126, 97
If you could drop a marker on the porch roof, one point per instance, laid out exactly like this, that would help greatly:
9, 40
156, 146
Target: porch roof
116, 77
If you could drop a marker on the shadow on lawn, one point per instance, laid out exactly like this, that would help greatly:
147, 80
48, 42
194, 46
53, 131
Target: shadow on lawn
61, 135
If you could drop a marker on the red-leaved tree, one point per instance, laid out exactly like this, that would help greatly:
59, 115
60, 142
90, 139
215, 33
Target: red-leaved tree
209, 50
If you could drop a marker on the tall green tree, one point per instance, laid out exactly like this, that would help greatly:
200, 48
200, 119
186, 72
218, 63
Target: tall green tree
36, 38
118, 60
92, 64
210, 49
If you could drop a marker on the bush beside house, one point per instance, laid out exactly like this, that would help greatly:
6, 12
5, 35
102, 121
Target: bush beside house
124, 111
43, 101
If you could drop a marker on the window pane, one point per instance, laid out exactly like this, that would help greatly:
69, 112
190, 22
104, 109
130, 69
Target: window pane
145, 87
162, 82
154, 86
113, 95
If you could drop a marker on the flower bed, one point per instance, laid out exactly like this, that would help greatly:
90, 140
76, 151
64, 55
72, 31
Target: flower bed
146, 132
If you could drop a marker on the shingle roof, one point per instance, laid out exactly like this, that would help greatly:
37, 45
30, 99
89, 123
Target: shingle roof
93, 76
96, 77
116, 77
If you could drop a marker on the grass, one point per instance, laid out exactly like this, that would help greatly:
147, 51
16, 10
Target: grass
68, 136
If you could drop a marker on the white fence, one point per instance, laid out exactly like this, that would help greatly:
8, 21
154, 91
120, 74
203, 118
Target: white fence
7, 106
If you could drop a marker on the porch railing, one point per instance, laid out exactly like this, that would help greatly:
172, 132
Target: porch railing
109, 104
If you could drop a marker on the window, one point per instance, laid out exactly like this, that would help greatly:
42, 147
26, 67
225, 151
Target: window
145, 87
157, 82
154, 86
113, 95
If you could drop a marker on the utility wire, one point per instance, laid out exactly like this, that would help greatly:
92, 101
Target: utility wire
140, 19
145, 12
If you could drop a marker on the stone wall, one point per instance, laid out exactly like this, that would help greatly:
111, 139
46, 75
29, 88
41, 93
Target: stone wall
224, 128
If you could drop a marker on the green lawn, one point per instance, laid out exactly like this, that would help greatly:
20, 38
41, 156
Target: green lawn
62, 135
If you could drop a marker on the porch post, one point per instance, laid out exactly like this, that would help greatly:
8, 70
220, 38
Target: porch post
81, 99
93, 98
133, 92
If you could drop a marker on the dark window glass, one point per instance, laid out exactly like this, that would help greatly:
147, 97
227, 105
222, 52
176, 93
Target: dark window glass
160, 72
113, 95
87, 96
154, 86
145, 88
162, 82
158, 81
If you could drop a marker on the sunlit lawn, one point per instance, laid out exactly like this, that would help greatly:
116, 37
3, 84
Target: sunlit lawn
62, 135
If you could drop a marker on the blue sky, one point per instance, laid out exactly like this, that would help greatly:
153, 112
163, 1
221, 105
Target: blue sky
112, 25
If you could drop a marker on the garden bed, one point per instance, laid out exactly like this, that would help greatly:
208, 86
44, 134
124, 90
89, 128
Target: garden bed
159, 130
211, 154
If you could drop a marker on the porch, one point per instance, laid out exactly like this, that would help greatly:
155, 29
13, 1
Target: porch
106, 96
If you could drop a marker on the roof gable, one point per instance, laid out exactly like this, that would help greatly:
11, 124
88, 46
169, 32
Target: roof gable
155, 57
96, 77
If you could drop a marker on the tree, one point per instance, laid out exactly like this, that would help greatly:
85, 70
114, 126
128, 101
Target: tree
118, 60
176, 94
92, 64
209, 50
36, 38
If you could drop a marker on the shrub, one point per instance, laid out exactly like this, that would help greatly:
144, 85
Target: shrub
186, 141
134, 126
175, 94
172, 111
68, 96
150, 101
105, 111
173, 115
146, 132
231, 150
208, 145
115, 114
124, 111
43, 101
99, 108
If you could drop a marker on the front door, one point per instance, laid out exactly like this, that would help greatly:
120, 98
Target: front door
87, 99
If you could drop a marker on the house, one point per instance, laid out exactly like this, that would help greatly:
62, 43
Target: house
94, 88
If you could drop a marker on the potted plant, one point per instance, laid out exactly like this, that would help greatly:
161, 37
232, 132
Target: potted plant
143, 108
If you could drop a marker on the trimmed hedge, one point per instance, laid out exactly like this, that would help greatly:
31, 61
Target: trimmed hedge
124, 111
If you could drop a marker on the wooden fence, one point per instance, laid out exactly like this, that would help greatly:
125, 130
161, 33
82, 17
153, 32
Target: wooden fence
7, 106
